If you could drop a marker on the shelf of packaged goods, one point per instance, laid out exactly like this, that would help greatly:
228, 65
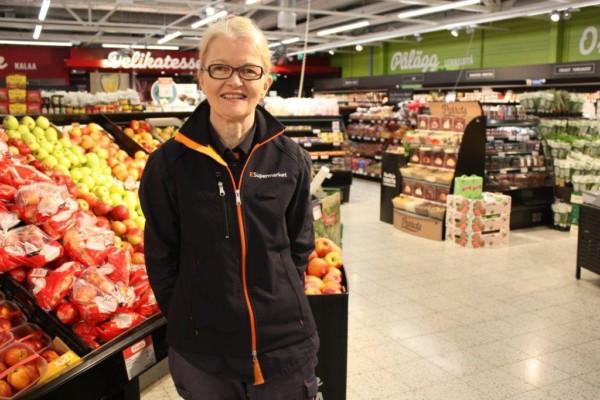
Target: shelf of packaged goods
320, 146
507, 189
512, 138
522, 170
379, 120
301, 132
374, 139
498, 103
361, 155
326, 155
512, 123
430, 167
512, 153
402, 211
422, 181
437, 132
367, 175
437, 203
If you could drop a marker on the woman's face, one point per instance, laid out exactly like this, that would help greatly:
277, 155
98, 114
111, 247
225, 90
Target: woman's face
233, 99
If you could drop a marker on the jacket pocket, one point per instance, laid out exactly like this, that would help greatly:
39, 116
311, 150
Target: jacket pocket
296, 287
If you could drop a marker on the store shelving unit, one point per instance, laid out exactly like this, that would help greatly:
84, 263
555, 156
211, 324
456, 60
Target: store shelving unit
517, 166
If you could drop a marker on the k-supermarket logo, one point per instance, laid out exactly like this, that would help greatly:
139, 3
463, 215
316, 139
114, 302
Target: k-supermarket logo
258, 175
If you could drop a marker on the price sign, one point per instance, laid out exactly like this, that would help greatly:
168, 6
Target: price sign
139, 356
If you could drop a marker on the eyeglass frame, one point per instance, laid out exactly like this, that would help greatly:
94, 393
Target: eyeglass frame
234, 70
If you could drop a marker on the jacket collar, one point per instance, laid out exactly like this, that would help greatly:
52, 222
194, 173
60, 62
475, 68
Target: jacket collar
196, 126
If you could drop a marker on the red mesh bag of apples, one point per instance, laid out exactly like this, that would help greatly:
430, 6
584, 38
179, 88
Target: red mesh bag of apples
51, 287
88, 244
17, 175
48, 205
8, 219
118, 324
20, 369
27, 246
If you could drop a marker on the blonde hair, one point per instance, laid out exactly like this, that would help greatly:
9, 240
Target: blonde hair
238, 27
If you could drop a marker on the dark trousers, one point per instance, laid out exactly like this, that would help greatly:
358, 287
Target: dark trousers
194, 384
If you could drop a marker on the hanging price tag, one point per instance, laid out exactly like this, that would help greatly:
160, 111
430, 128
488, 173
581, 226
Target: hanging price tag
307, 144
139, 356
317, 214
524, 170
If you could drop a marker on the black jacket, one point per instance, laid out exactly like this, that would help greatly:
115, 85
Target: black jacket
226, 263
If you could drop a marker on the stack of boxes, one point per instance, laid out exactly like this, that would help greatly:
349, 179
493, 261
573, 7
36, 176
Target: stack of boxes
15, 99
475, 219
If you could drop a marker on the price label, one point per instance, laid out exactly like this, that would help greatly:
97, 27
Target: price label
317, 214
325, 157
524, 170
502, 154
490, 138
504, 171
314, 157
316, 131
535, 153
139, 356
307, 144
335, 126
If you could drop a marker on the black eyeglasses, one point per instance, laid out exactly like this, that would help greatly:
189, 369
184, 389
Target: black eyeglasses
223, 71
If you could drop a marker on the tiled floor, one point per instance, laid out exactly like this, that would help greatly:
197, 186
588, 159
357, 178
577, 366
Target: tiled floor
433, 321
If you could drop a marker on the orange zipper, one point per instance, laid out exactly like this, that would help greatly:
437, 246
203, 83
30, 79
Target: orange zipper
258, 375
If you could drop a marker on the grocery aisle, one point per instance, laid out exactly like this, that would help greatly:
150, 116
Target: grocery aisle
430, 320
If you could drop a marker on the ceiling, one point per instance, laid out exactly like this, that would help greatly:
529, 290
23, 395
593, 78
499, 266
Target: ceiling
144, 22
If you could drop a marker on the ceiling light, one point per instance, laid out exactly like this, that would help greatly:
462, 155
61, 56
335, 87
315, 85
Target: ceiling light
44, 10
470, 29
291, 40
359, 47
36, 43
155, 47
454, 32
418, 37
436, 9
343, 28
555, 16
115, 46
138, 46
567, 14
208, 20
169, 37
37, 31
250, 2
209, 11
274, 44
331, 52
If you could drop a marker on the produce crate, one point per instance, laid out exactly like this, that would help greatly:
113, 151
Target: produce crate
331, 316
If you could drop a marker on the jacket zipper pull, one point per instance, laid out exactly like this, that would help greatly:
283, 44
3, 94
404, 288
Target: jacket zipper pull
238, 197
258, 375
221, 189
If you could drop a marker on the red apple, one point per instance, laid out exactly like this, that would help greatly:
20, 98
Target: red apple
50, 355
18, 274
5, 389
312, 255
323, 246
14, 355
67, 313
333, 275
103, 222
138, 258
135, 236
332, 287
101, 208
314, 282
317, 267
131, 225
119, 213
19, 378
118, 227
334, 259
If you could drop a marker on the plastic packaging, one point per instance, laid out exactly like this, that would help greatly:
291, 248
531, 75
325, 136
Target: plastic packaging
27, 246
51, 287
88, 244
118, 324
24, 374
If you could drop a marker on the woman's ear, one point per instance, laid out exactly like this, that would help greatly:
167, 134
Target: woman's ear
267, 85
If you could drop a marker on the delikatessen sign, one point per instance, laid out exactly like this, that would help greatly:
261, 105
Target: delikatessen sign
144, 60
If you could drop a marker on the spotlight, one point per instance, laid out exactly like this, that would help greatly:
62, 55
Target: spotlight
555, 16
331, 52
470, 29
567, 14
454, 32
358, 47
418, 37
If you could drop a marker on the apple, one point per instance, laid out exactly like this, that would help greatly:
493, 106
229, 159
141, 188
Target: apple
312, 255
120, 213
100, 208
19, 378
130, 224
14, 355
323, 246
32, 371
138, 258
332, 287
333, 275
312, 291
118, 228
28, 122
5, 389
313, 282
140, 155
84, 205
2, 367
135, 236
334, 259
18, 274
103, 222
50, 355
67, 314
10, 122
317, 267
51, 134
35, 344
6, 311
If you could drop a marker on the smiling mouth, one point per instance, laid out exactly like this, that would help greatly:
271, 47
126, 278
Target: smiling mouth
232, 96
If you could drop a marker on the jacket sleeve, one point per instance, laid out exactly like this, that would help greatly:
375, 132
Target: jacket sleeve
299, 217
161, 233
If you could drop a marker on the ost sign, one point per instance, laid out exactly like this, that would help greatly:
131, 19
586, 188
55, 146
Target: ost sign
418, 60
588, 42
139, 60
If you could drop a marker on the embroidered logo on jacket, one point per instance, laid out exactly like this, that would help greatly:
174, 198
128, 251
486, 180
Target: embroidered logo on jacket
258, 175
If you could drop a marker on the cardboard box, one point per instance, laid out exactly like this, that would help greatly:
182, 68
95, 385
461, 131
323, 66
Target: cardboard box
491, 204
477, 240
17, 108
16, 81
472, 223
17, 95
34, 96
419, 226
470, 187
34, 108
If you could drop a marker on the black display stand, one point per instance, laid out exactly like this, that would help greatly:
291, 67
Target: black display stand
588, 243
391, 184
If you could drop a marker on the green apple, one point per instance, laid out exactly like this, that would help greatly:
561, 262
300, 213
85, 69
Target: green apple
63, 169
64, 161
23, 129
28, 137
86, 171
116, 198
50, 162
28, 121
57, 145
88, 181
51, 134
66, 142
76, 174
80, 150
101, 192
102, 153
14, 134
49, 147
74, 159
39, 133
35, 146
42, 122
92, 160
82, 188
117, 188
10, 123
41, 154
94, 127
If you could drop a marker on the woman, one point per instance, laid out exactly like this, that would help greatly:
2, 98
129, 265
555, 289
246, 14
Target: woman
228, 234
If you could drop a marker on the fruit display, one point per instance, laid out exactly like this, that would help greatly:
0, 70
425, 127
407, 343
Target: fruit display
164, 133
102, 177
70, 259
140, 132
323, 273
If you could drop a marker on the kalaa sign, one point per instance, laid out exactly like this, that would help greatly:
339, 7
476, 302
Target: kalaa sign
144, 60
